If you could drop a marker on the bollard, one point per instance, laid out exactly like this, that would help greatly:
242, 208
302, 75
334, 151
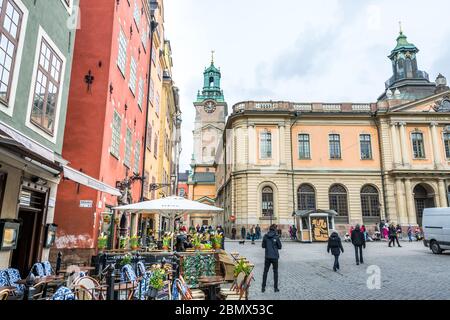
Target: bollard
110, 280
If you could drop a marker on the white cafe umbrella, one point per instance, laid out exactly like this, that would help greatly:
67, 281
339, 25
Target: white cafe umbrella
173, 207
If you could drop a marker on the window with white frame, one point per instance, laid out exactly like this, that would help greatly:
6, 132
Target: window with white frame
267, 203
122, 56
418, 145
141, 92
157, 104
46, 88
447, 144
151, 94
145, 35
137, 14
304, 148
265, 145
137, 156
115, 138
335, 146
128, 143
10, 26
365, 146
132, 83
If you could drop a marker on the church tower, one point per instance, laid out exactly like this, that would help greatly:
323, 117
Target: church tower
211, 112
210, 116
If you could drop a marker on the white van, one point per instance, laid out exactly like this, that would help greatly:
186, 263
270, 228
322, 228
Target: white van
436, 229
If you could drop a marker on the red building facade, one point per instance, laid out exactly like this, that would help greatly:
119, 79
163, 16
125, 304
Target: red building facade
106, 119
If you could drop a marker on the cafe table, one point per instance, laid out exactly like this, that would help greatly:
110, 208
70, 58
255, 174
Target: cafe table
80, 269
211, 284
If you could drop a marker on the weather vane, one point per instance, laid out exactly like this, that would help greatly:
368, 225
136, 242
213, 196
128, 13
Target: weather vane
401, 28
212, 56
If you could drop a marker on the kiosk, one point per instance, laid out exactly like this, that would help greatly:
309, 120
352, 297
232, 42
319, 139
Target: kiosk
314, 225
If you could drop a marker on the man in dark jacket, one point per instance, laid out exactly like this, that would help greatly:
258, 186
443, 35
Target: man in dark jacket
393, 235
335, 245
359, 242
271, 242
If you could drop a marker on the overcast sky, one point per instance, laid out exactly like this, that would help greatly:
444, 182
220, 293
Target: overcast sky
298, 50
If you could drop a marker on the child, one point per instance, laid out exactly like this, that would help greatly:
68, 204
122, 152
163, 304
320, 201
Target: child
335, 245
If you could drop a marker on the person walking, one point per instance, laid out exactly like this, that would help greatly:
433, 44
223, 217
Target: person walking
393, 236
410, 233
253, 234
359, 242
258, 232
272, 244
243, 233
335, 246
233, 233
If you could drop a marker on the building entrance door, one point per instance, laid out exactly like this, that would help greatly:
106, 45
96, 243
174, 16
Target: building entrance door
423, 199
30, 242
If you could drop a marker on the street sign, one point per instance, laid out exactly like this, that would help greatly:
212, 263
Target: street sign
86, 203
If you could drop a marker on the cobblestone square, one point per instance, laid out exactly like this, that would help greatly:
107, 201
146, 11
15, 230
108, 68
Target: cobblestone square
410, 272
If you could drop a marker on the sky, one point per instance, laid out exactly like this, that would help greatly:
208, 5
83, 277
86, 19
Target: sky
298, 50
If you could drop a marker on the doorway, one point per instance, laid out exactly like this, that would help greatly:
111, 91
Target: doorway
423, 198
30, 243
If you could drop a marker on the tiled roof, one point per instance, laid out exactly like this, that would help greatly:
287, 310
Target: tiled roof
203, 177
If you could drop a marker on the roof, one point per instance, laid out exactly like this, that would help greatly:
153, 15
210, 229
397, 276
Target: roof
183, 176
204, 177
403, 45
305, 213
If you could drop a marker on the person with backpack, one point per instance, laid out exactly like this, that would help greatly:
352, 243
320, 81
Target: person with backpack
335, 246
272, 244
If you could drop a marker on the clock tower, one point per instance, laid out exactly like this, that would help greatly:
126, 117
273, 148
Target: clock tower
211, 112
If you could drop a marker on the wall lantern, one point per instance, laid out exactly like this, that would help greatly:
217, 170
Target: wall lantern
50, 235
9, 234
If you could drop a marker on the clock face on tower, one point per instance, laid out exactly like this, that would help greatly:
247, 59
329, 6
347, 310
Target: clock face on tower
210, 107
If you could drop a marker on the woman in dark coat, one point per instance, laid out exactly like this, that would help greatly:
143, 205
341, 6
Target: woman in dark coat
335, 246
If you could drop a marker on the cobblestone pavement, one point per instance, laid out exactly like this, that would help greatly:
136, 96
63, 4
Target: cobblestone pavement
305, 272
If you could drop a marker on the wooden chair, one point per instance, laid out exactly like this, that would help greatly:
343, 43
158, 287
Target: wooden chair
236, 291
39, 290
187, 293
89, 286
4, 294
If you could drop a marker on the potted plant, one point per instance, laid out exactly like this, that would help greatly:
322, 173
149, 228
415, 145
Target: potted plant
217, 241
102, 242
196, 242
167, 240
107, 218
123, 242
242, 266
134, 242
127, 258
156, 282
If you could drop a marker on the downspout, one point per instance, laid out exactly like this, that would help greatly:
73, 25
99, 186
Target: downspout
153, 26
297, 117
383, 186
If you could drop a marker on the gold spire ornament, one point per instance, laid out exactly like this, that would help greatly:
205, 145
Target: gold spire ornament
212, 56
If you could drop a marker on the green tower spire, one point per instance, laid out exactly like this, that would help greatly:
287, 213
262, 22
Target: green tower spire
211, 84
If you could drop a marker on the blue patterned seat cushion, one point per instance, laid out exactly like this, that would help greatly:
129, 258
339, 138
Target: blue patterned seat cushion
48, 270
63, 293
38, 270
141, 268
13, 276
127, 274
4, 279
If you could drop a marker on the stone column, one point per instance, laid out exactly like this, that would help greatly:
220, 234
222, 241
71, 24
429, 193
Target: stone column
411, 210
435, 143
442, 194
399, 193
396, 151
404, 142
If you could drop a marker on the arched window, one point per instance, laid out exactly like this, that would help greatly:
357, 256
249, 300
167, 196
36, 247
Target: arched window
211, 81
370, 201
306, 197
338, 200
204, 152
267, 202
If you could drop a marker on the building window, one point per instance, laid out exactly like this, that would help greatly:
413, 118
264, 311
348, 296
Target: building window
338, 200
46, 88
146, 184
155, 146
154, 55
149, 136
365, 146
128, 142
122, 57
137, 156
267, 202
181, 192
132, 84
304, 151
10, 25
418, 145
157, 104
141, 92
266, 145
115, 140
306, 197
137, 14
447, 144
335, 146
370, 203
144, 36
151, 94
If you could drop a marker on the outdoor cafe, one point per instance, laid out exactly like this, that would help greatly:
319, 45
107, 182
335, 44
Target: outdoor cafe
203, 271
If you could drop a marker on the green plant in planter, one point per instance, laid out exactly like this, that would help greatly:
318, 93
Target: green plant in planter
157, 279
196, 241
217, 241
167, 242
126, 259
134, 242
102, 242
242, 266
123, 242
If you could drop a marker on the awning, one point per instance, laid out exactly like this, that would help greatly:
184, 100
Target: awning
84, 179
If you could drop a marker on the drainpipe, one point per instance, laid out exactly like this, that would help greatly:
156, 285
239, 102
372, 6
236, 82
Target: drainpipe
383, 186
297, 117
153, 26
